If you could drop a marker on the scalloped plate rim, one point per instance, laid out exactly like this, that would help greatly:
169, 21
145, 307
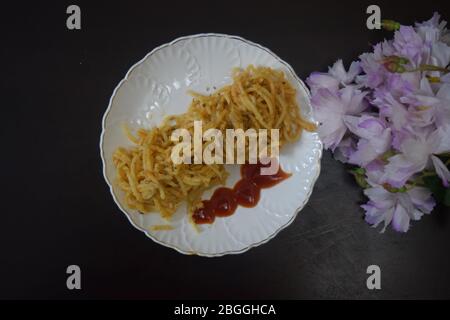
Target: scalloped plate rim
146, 232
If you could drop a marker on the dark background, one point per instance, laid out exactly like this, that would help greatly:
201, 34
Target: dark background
56, 209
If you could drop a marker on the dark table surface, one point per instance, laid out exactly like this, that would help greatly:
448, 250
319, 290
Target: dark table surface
56, 207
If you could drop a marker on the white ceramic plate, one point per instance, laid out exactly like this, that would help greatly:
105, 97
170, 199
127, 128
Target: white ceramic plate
157, 86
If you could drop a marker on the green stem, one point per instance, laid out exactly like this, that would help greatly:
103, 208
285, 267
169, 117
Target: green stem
390, 25
429, 67
445, 154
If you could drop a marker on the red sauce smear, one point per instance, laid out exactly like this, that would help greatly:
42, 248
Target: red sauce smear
246, 192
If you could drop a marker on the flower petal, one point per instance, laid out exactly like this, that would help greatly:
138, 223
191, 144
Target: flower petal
441, 52
422, 199
441, 170
353, 100
400, 169
364, 154
381, 198
443, 136
345, 149
319, 80
400, 220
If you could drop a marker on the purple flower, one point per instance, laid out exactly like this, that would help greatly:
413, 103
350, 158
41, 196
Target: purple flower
396, 112
398, 136
375, 138
427, 107
440, 54
330, 109
336, 77
409, 44
441, 170
398, 208
345, 149
375, 172
320, 80
433, 30
338, 71
371, 64
389, 114
417, 153
402, 84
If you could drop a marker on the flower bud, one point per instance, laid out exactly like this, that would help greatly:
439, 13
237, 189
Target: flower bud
403, 60
394, 67
390, 25
359, 174
395, 63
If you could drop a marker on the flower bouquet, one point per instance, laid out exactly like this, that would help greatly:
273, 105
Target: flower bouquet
389, 116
